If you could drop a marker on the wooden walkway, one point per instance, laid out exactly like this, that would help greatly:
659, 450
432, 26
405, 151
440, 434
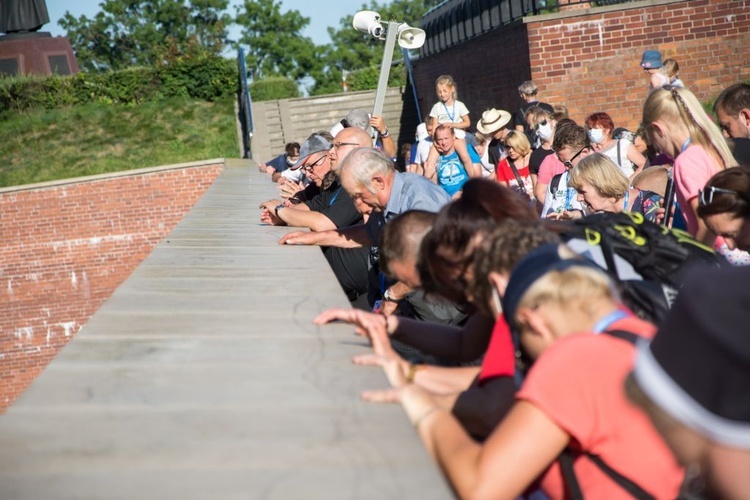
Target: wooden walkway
202, 377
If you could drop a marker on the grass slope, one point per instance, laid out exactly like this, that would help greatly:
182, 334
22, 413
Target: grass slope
101, 138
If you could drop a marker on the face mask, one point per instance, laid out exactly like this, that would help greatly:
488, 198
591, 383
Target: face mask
290, 162
544, 132
596, 135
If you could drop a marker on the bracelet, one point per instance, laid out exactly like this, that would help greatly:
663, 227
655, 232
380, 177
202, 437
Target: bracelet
276, 210
424, 415
413, 369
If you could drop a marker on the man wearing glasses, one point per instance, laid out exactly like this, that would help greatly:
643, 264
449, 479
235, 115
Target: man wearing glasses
571, 144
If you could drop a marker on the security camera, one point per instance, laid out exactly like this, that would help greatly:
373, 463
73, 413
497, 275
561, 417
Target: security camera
368, 21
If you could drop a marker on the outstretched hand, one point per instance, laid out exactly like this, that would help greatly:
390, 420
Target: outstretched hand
371, 325
298, 238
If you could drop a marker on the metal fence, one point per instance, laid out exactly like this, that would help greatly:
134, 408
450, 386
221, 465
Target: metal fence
245, 106
455, 21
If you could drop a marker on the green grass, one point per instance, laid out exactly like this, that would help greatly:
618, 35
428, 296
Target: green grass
99, 138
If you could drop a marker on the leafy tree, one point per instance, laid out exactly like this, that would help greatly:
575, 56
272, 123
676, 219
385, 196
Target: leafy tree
274, 40
139, 32
352, 50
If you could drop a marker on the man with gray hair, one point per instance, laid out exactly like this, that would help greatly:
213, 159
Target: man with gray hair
369, 177
528, 92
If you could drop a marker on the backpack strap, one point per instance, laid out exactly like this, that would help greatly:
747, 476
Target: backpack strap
521, 185
569, 475
573, 488
624, 335
619, 159
555, 183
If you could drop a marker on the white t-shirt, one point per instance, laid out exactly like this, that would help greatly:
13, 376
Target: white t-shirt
564, 198
423, 150
450, 114
625, 164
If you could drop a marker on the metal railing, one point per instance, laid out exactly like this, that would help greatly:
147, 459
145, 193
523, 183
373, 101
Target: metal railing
245, 106
456, 21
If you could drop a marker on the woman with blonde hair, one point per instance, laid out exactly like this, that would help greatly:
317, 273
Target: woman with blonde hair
513, 171
566, 315
602, 187
676, 125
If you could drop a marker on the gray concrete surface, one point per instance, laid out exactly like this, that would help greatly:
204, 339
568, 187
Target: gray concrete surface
202, 377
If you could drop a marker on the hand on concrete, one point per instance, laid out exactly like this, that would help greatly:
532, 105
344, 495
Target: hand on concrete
395, 367
299, 238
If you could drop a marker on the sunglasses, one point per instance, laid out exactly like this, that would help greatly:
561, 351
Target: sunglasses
337, 145
542, 123
569, 163
706, 196
318, 162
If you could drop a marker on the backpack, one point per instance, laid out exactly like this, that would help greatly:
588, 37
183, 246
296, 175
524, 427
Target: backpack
648, 261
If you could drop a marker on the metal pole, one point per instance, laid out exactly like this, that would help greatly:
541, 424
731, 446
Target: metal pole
407, 61
385, 68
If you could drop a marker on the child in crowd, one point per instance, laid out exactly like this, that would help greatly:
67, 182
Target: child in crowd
673, 72
677, 126
449, 109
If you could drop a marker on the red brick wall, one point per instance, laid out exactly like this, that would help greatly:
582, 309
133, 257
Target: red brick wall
589, 60
67, 247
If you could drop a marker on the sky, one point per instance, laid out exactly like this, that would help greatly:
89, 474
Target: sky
322, 13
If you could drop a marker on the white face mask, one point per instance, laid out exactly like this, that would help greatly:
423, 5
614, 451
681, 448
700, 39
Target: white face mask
290, 162
544, 132
596, 135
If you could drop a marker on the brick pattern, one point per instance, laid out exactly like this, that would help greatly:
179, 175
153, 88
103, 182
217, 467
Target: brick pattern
589, 62
66, 248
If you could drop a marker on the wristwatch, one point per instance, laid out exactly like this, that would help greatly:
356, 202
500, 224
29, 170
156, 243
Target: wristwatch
278, 207
387, 295
384, 134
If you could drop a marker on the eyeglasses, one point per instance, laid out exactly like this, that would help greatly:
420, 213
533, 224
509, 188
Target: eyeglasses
569, 163
706, 196
337, 145
317, 163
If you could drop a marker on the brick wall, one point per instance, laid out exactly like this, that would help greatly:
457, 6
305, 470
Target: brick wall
588, 59
67, 246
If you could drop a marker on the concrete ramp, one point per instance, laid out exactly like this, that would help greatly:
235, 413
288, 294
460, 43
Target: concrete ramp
202, 377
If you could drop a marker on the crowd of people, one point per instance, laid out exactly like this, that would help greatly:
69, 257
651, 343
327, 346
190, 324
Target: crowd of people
558, 306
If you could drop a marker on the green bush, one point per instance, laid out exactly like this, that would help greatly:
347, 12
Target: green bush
272, 88
203, 77
367, 78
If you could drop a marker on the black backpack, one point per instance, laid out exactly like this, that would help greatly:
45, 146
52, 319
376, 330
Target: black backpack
647, 260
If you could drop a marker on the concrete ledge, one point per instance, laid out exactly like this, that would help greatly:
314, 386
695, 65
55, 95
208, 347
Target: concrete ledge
203, 377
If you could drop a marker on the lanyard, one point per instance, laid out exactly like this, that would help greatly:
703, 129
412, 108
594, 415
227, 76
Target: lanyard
330, 204
568, 193
609, 319
627, 200
684, 144
452, 115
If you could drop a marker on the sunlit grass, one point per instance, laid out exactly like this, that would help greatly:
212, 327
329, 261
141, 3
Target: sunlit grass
97, 138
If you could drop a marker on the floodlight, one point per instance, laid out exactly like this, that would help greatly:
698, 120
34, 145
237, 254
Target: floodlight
368, 21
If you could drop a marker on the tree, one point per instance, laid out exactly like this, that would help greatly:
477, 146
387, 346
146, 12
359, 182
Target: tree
351, 50
139, 32
275, 43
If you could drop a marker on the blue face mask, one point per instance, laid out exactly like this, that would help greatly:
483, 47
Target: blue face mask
596, 135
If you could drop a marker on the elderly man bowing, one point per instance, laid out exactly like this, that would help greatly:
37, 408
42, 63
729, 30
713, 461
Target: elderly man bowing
370, 178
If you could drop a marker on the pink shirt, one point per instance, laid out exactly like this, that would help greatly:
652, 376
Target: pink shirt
692, 170
549, 168
578, 382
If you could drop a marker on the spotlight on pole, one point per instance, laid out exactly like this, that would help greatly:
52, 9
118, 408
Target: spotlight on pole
368, 21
